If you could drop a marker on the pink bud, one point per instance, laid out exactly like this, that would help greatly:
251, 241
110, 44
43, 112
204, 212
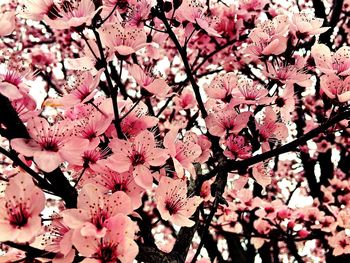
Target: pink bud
303, 233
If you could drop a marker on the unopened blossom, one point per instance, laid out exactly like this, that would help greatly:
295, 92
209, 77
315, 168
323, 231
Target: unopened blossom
328, 63
183, 153
335, 87
137, 155
94, 210
237, 147
50, 145
20, 210
7, 22
173, 203
156, 86
117, 245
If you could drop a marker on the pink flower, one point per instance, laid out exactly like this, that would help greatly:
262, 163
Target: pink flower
306, 24
172, 201
124, 40
25, 107
50, 145
138, 155
286, 103
335, 87
117, 245
186, 100
183, 153
70, 14
237, 147
261, 174
338, 63
111, 181
37, 9
340, 242
221, 87
250, 93
81, 89
156, 86
270, 129
7, 22
20, 210
269, 37
226, 121
94, 211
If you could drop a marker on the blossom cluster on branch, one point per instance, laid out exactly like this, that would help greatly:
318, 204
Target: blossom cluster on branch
174, 131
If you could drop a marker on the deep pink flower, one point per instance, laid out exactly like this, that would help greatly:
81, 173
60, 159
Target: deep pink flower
173, 203
237, 147
50, 145
20, 210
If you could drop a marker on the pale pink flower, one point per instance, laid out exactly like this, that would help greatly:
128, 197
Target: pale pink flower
289, 74
186, 100
194, 12
117, 245
7, 22
82, 88
226, 121
156, 86
138, 155
183, 153
20, 210
37, 9
250, 93
50, 145
124, 40
237, 147
173, 203
261, 174
262, 226
25, 107
306, 24
71, 13
340, 242
271, 129
221, 87
335, 87
337, 63
269, 37
94, 210
286, 103
205, 145
111, 181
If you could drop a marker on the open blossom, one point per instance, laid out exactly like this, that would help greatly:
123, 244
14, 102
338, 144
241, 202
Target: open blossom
94, 211
173, 203
183, 153
237, 147
328, 63
221, 86
138, 155
112, 181
250, 93
156, 86
117, 245
19, 210
186, 100
269, 37
71, 13
226, 121
124, 40
194, 12
340, 243
335, 87
50, 145
306, 24
7, 22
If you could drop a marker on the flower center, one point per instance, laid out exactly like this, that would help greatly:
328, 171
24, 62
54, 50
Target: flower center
18, 216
